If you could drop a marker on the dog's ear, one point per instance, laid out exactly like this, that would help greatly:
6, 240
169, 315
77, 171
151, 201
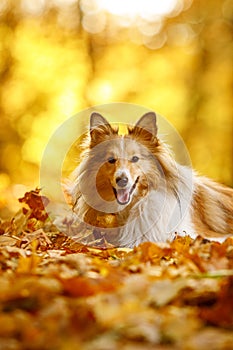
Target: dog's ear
97, 120
145, 128
148, 123
99, 128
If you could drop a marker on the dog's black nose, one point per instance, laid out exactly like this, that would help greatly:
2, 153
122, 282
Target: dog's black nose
122, 181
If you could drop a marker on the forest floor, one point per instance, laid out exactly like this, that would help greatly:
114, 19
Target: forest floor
59, 294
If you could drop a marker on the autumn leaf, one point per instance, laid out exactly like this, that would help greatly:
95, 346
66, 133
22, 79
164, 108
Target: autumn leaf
36, 204
221, 312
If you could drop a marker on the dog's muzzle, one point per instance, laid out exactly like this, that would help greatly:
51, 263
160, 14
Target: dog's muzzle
123, 193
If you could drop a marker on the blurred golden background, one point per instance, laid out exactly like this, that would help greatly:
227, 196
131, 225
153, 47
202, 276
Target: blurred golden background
59, 57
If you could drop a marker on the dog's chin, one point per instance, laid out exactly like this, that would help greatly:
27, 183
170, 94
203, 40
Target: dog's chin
123, 195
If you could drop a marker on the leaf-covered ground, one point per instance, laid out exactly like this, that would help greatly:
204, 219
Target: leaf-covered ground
58, 294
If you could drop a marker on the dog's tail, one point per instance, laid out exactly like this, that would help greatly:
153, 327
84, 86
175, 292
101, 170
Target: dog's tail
212, 208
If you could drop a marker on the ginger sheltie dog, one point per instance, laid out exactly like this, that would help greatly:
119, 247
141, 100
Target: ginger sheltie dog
131, 190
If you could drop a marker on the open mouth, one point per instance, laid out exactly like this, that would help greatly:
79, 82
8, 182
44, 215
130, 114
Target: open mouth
123, 194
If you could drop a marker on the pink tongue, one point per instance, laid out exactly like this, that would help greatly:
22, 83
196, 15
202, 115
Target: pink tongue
123, 196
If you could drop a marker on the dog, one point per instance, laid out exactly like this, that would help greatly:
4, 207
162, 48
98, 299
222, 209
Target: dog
130, 189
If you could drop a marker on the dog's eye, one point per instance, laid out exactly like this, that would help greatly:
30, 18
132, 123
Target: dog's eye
134, 159
112, 160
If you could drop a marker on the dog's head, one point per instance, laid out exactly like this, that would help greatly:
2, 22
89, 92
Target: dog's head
123, 162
